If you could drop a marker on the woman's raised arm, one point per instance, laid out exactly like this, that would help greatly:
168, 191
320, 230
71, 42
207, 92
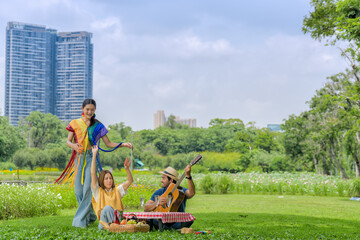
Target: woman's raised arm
130, 179
110, 144
93, 167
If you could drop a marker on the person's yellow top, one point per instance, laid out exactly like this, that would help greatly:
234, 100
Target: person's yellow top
105, 198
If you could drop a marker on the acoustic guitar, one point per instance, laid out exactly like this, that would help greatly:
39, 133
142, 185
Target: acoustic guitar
173, 192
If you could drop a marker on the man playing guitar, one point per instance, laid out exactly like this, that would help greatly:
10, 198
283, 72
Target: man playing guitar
170, 175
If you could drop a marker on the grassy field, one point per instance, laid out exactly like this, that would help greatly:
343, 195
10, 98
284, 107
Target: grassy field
231, 216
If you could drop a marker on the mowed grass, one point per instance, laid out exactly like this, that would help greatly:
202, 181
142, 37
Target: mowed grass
226, 216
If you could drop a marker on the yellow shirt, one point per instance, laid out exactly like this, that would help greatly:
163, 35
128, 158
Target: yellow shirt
105, 198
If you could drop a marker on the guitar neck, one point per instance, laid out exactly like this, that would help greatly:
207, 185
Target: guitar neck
197, 158
178, 183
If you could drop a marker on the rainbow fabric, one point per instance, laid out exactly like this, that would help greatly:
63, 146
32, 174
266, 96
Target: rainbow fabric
83, 135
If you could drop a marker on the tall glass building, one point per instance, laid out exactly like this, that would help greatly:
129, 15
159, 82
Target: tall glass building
46, 71
74, 61
29, 77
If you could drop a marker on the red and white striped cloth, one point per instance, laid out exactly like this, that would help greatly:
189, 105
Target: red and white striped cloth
166, 217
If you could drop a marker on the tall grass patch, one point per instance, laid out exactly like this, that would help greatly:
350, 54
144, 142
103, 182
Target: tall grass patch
207, 184
27, 201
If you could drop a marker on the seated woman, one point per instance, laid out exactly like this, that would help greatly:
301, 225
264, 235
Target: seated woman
106, 198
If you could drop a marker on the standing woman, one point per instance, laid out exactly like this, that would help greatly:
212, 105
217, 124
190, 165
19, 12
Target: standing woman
86, 132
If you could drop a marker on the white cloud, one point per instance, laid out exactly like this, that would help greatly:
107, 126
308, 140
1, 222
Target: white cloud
109, 28
189, 45
194, 70
263, 83
106, 23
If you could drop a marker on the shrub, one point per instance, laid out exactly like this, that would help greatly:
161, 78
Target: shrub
207, 184
58, 157
180, 161
199, 169
340, 189
355, 187
24, 158
7, 165
220, 161
223, 184
316, 189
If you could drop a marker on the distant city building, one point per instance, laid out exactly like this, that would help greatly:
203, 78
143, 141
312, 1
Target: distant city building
160, 120
274, 127
74, 62
191, 122
46, 71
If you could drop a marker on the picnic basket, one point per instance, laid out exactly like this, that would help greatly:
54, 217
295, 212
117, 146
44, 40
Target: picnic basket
131, 228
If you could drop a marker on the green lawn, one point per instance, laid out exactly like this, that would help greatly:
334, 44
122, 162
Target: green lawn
227, 216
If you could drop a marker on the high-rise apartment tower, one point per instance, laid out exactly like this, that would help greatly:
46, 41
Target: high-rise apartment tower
46, 71
74, 61
29, 77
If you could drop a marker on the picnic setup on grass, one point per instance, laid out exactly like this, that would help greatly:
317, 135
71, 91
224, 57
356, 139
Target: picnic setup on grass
136, 221
163, 216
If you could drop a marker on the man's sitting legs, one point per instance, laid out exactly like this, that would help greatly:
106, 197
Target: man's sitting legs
167, 226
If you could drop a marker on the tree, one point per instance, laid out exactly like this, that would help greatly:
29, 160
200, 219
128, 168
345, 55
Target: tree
24, 159
58, 157
171, 123
324, 134
337, 21
10, 139
243, 141
266, 140
44, 129
119, 131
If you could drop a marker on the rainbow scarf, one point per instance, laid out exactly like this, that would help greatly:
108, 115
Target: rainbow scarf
83, 135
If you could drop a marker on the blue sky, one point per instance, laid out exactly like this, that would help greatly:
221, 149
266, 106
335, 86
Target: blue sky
195, 59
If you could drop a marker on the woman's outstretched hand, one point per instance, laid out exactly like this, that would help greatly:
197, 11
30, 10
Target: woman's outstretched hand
127, 163
128, 145
95, 149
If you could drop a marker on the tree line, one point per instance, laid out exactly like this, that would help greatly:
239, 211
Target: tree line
228, 144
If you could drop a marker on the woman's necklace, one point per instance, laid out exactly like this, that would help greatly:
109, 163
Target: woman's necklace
87, 122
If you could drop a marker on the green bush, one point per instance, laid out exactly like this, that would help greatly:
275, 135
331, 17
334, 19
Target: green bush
355, 187
224, 184
199, 169
340, 189
24, 159
7, 165
180, 161
254, 169
207, 184
221, 161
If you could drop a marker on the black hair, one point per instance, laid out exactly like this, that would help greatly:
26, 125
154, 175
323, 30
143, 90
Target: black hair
87, 102
174, 181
